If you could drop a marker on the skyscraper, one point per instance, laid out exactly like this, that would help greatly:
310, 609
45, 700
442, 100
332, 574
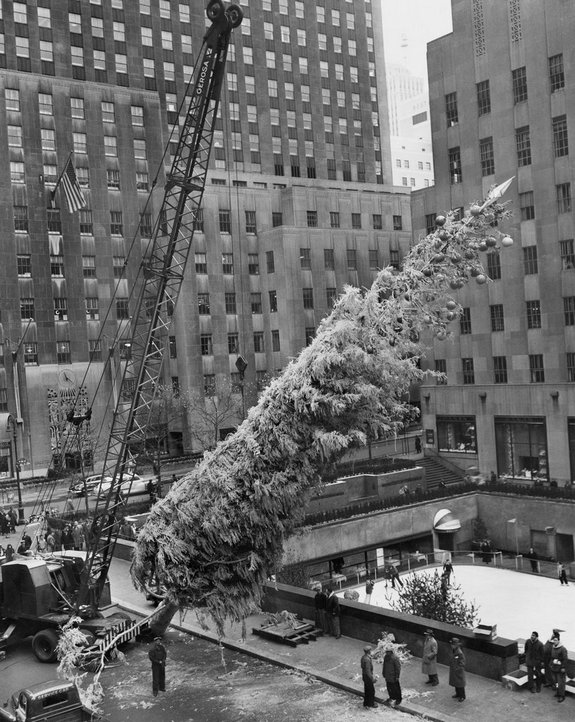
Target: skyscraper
299, 198
502, 106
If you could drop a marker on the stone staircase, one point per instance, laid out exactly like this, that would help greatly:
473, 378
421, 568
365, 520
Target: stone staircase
436, 472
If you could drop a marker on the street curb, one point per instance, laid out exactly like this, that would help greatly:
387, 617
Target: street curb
413, 710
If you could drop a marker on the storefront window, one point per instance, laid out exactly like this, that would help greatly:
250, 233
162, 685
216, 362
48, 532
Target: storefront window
456, 433
521, 447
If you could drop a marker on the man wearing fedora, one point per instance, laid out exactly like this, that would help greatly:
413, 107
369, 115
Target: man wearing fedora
457, 669
368, 678
157, 655
429, 658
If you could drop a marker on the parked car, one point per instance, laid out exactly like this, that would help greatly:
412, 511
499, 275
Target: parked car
46, 702
87, 486
131, 486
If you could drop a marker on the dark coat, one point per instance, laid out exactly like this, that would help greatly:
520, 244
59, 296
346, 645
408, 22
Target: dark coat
320, 600
429, 658
367, 666
332, 605
457, 668
157, 653
558, 659
391, 667
533, 653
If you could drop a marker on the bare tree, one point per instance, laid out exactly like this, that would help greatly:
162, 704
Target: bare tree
218, 409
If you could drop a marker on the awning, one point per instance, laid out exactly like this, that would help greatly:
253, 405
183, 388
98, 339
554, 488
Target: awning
446, 522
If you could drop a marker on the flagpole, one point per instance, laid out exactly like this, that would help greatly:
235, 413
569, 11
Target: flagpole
61, 174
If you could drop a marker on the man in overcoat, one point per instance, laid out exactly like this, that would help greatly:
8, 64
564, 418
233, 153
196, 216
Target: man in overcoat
534, 661
332, 613
368, 678
157, 655
429, 658
391, 671
457, 669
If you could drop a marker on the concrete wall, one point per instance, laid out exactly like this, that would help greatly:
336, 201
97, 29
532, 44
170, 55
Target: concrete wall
488, 658
379, 529
364, 487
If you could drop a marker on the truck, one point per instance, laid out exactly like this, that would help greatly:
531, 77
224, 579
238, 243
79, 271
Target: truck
55, 701
38, 595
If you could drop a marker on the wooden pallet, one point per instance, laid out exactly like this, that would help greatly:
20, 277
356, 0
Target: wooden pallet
284, 633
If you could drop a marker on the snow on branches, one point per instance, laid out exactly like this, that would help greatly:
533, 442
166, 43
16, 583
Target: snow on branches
219, 533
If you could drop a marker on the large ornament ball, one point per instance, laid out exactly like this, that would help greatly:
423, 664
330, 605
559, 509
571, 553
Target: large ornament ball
438, 245
491, 242
441, 335
438, 258
444, 235
507, 241
450, 315
451, 305
427, 272
456, 258
481, 279
475, 210
482, 246
440, 220
469, 255
474, 272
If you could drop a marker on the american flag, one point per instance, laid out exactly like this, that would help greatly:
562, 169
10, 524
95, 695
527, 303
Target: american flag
72, 191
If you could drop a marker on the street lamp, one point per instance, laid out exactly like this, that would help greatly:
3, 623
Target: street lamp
514, 522
12, 425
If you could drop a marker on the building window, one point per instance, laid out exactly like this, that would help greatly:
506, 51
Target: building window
15, 137
253, 264
230, 303
276, 341
356, 220
233, 343
60, 308
569, 310
250, 222
27, 309
527, 206
119, 266
204, 304
20, 218
308, 298
309, 334
494, 266
108, 112
273, 299
560, 139
519, 77
270, 262
563, 197
567, 252
441, 368
122, 308
483, 98
430, 222
31, 354
530, 265
305, 258
497, 317
116, 223
465, 321
523, 145
63, 355
24, 264
533, 314
377, 221
451, 114
45, 106
206, 346
225, 218
56, 265
258, 342
330, 297
456, 433
89, 266
351, 255
17, 172
256, 303
95, 350
468, 371
92, 308
77, 108
228, 263
277, 219
536, 369
486, 156
146, 225
499, 370
12, 98
570, 366
334, 219
373, 258
397, 223
198, 222
556, 73
329, 259
209, 384
454, 159
113, 178
311, 219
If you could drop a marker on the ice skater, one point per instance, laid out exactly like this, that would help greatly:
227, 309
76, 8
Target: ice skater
562, 574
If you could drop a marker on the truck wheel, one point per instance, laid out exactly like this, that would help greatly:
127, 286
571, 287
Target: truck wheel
44, 644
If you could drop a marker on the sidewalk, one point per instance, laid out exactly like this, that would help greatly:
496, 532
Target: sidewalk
337, 662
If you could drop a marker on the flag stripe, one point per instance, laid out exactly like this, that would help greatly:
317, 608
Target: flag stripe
72, 191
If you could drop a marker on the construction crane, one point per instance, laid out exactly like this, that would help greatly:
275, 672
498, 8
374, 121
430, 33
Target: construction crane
159, 283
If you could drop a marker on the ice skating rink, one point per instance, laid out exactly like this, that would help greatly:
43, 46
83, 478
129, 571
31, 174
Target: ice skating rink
517, 603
